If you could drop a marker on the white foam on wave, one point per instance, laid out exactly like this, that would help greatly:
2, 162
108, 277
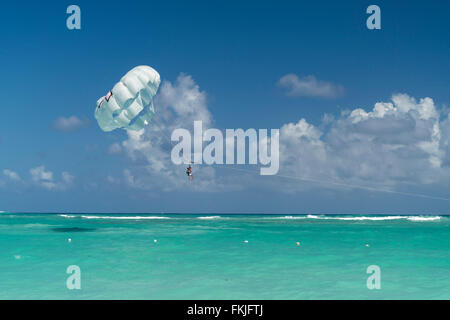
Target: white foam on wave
309, 216
378, 218
285, 218
67, 216
126, 217
210, 217
422, 218
363, 218
358, 218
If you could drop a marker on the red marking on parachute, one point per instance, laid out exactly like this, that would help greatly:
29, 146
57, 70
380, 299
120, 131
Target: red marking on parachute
100, 103
107, 97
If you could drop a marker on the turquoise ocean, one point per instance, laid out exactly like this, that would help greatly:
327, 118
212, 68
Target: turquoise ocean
127, 256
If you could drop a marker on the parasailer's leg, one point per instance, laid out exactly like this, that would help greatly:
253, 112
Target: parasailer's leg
192, 177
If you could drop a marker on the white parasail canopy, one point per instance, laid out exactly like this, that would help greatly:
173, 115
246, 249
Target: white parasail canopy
129, 104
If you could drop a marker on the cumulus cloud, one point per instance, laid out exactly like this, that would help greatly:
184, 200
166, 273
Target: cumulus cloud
309, 86
43, 178
399, 142
11, 175
69, 124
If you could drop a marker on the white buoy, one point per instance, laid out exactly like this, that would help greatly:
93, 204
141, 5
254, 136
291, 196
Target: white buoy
69, 240
155, 241
246, 241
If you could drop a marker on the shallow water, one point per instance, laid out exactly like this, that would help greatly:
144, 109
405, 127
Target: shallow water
223, 257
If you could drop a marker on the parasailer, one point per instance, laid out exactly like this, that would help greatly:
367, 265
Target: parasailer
189, 172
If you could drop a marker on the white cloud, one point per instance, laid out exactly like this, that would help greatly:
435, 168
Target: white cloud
11, 175
43, 178
39, 173
71, 123
309, 86
183, 101
397, 142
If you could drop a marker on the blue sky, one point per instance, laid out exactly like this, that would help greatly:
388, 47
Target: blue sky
55, 158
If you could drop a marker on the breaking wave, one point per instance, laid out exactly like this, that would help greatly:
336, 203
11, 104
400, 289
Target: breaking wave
211, 217
356, 218
286, 218
126, 217
114, 217
377, 218
67, 216
422, 218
